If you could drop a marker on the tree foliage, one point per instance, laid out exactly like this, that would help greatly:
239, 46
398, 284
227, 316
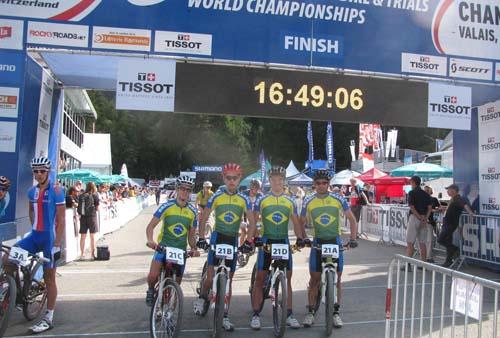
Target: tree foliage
155, 144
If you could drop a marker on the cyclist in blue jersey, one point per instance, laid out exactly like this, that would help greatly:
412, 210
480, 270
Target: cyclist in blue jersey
47, 216
4, 195
253, 194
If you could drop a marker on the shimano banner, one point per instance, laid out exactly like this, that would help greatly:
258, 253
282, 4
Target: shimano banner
323, 33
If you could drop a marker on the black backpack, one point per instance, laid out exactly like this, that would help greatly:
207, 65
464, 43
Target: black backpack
86, 207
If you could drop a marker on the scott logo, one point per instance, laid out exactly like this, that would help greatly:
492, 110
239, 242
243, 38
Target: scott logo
450, 99
5, 32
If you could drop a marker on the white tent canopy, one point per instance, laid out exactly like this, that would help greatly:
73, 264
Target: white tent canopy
344, 177
301, 179
291, 170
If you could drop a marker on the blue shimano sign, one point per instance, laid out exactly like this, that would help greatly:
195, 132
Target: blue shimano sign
387, 36
11, 68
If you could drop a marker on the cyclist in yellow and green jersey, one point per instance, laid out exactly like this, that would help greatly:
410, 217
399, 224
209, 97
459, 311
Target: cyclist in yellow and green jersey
229, 206
276, 210
179, 222
323, 209
202, 198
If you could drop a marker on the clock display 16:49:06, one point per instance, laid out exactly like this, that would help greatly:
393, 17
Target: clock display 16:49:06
309, 96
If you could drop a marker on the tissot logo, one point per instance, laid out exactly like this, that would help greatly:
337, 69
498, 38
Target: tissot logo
146, 76
183, 43
490, 115
183, 37
491, 139
5, 32
491, 144
491, 175
492, 200
425, 59
490, 109
450, 99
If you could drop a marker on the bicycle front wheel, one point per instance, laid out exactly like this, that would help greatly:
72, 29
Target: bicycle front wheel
219, 305
166, 313
35, 298
280, 305
7, 300
330, 300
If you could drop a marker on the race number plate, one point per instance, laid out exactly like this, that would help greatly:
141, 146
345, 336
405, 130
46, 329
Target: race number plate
279, 251
19, 256
174, 255
224, 251
330, 250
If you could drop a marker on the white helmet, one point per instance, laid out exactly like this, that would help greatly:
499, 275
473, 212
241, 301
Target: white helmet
40, 163
207, 184
185, 181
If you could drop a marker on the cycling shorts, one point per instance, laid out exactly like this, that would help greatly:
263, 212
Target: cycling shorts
315, 258
264, 258
39, 241
218, 238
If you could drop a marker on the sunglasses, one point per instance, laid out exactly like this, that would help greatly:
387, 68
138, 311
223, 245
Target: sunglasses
185, 189
36, 171
231, 178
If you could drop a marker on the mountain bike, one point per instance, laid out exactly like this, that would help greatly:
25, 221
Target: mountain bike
327, 293
276, 284
219, 292
166, 313
22, 284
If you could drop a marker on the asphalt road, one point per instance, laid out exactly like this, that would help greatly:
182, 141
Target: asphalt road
106, 299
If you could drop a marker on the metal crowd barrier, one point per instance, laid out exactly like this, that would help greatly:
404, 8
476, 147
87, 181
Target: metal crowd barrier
468, 305
480, 240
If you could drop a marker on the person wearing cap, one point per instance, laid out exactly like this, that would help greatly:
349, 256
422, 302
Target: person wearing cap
202, 198
450, 223
420, 204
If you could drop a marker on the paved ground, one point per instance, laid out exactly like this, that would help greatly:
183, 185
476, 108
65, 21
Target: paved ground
106, 299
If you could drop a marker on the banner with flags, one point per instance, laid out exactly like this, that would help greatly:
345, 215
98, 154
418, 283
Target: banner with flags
329, 145
262, 161
310, 157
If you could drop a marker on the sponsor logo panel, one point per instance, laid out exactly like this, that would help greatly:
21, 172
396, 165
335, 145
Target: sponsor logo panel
8, 132
146, 86
489, 114
58, 34
183, 43
9, 102
11, 34
423, 64
471, 69
449, 106
121, 38
11, 67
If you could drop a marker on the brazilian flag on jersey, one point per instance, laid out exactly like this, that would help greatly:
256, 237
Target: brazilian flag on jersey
228, 209
324, 214
276, 212
176, 222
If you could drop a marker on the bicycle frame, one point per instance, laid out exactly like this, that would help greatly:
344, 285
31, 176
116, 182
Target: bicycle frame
220, 268
328, 267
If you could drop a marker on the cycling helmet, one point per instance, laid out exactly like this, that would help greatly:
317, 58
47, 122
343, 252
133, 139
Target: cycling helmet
207, 184
40, 163
255, 183
322, 174
277, 170
231, 167
184, 181
4, 183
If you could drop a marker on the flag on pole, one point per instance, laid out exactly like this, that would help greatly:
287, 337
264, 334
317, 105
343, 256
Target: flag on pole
310, 157
329, 145
262, 161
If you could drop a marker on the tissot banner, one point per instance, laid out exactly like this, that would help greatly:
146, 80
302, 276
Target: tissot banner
145, 85
489, 158
449, 106
389, 36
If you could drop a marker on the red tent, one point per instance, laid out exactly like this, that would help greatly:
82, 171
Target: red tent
371, 175
389, 187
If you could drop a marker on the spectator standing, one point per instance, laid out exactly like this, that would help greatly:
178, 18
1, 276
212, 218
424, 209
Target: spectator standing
367, 190
88, 205
72, 198
431, 230
358, 199
157, 196
450, 223
420, 209
79, 187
